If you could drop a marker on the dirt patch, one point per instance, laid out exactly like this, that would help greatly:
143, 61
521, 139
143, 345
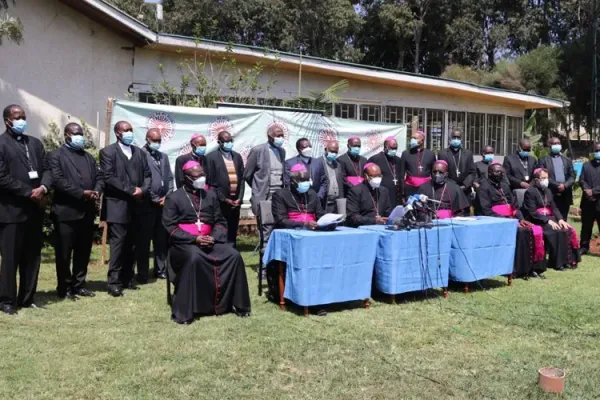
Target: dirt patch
595, 246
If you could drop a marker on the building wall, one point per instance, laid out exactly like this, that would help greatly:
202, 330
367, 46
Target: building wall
66, 68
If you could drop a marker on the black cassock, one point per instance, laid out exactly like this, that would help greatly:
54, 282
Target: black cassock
491, 195
208, 280
461, 167
351, 166
286, 201
364, 204
393, 176
557, 242
416, 163
449, 195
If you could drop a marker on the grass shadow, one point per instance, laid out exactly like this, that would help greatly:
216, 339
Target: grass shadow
409, 297
477, 286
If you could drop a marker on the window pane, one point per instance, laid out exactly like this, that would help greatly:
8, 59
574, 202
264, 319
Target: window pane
514, 132
393, 115
415, 112
495, 132
456, 121
475, 132
370, 113
347, 111
435, 129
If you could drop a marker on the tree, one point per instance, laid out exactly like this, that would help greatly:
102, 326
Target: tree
10, 27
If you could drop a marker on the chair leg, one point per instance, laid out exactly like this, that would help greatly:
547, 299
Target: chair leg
306, 313
392, 299
467, 288
281, 287
367, 303
510, 279
445, 292
260, 276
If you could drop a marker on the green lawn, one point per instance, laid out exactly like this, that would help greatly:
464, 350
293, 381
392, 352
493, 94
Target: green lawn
488, 344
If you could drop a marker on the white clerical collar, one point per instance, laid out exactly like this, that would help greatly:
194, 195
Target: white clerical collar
126, 150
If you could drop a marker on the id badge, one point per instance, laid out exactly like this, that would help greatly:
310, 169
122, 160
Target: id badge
526, 177
33, 175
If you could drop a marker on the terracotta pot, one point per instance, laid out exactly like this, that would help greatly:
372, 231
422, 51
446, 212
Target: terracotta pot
552, 380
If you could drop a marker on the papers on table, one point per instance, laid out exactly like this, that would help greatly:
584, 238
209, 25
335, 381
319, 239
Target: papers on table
465, 218
331, 219
397, 212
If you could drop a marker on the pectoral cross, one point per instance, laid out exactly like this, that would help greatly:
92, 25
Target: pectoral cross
544, 212
199, 225
395, 181
457, 173
420, 168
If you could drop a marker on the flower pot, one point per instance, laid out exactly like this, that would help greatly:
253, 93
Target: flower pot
552, 380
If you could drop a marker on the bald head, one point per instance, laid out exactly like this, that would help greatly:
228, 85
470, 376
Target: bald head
525, 144
73, 128
332, 147
224, 136
153, 135
122, 126
373, 171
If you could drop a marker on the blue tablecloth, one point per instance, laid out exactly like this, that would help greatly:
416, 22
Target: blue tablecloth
482, 247
399, 268
324, 267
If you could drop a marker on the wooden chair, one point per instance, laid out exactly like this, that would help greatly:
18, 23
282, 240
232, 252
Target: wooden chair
170, 278
520, 195
341, 206
264, 219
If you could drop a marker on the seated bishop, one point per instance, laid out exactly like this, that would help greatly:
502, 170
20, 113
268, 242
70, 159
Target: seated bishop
210, 276
450, 200
297, 206
368, 203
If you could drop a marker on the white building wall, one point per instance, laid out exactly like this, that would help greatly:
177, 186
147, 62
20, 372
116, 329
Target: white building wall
66, 68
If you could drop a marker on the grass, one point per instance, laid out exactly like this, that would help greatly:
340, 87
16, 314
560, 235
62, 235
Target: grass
488, 344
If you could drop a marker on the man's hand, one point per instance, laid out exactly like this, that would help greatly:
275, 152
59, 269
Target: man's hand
138, 193
312, 225
476, 185
90, 195
381, 220
589, 193
161, 202
524, 185
237, 203
561, 187
37, 194
230, 202
205, 241
554, 225
525, 224
563, 224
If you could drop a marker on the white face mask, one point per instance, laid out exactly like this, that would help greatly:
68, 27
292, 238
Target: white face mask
544, 183
375, 182
307, 152
200, 183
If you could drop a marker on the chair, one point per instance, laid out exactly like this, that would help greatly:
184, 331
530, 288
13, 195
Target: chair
341, 206
170, 278
265, 222
520, 195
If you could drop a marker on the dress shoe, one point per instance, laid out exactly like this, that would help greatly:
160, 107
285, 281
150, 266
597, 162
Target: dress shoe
84, 292
583, 251
115, 291
242, 314
542, 276
33, 306
160, 275
561, 268
131, 286
8, 309
179, 322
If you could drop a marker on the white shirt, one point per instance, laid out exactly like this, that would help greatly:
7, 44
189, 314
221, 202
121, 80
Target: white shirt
126, 150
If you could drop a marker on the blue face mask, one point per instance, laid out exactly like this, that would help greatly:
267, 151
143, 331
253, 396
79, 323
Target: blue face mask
597, 156
127, 138
278, 141
19, 126
153, 146
414, 143
77, 142
303, 186
392, 153
488, 158
228, 146
523, 154
355, 150
200, 150
331, 156
456, 143
556, 148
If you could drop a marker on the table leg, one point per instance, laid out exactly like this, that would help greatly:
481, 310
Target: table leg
445, 292
467, 288
306, 311
367, 303
281, 287
393, 298
510, 279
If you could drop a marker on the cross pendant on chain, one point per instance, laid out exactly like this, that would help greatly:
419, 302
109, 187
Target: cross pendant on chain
420, 168
395, 181
199, 224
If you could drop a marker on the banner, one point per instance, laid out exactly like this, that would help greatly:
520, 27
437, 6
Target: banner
248, 127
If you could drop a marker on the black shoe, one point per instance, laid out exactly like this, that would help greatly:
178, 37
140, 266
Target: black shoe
8, 309
131, 286
242, 314
33, 306
67, 295
542, 276
115, 291
179, 322
322, 312
160, 275
84, 292
526, 278
574, 266
561, 268
583, 251
535, 275
141, 280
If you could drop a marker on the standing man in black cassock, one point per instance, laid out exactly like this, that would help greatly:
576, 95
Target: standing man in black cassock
369, 202
590, 201
481, 167
352, 164
210, 277
561, 176
417, 163
162, 185
461, 166
76, 188
226, 178
127, 179
391, 167
519, 167
198, 145
24, 182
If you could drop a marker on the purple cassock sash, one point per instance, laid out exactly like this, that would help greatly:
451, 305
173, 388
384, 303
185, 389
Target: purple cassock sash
192, 229
444, 214
301, 217
505, 210
416, 181
355, 180
573, 235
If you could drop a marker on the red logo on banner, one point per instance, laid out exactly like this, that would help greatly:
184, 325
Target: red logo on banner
220, 124
244, 153
164, 123
327, 135
185, 149
373, 140
283, 126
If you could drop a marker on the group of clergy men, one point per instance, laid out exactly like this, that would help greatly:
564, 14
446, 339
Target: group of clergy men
199, 220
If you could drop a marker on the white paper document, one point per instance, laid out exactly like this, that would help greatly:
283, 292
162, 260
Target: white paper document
329, 219
397, 212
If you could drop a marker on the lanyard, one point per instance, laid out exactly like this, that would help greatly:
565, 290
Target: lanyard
441, 197
303, 210
198, 222
457, 164
28, 157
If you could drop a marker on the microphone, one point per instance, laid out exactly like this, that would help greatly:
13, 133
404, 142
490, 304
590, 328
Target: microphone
425, 199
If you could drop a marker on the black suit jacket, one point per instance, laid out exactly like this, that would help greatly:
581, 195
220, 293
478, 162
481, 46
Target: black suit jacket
15, 184
121, 176
570, 175
466, 167
515, 171
68, 203
218, 179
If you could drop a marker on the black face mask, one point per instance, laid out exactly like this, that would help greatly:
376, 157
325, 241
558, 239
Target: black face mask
439, 179
496, 177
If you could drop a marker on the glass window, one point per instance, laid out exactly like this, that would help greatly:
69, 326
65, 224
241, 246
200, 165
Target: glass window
394, 115
414, 112
347, 111
435, 132
475, 136
495, 132
514, 132
456, 122
370, 113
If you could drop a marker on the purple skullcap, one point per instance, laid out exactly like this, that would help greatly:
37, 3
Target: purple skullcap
442, 162
190, 164
196, 136
300, 167
389, 138
367, 165
537, 170
353, 137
